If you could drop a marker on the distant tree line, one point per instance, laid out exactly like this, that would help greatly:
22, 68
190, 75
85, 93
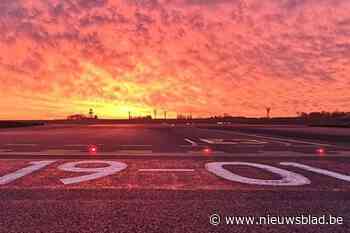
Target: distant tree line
324, 115
147, 117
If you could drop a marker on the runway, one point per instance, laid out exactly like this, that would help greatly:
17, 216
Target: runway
166, 178
64, 141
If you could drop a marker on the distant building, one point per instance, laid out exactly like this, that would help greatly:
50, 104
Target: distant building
90, 116
77, 117
82, 117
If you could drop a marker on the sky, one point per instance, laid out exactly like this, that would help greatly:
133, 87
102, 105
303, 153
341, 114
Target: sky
199, 57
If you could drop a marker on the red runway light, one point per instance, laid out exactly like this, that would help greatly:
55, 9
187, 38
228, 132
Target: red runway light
93, 149
207, 151
321, 151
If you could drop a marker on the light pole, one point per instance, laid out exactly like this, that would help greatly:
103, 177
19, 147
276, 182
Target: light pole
268, 110
155, 113
91, 113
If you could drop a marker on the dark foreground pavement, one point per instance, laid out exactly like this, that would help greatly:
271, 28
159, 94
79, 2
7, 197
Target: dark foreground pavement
164, 211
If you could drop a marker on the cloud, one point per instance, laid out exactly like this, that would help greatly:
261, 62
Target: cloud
199, 56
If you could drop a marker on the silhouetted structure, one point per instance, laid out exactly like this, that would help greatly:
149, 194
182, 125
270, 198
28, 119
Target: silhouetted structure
325, 115
147, 117
184, 116
77, 117
83, 117
91, 113
268, 110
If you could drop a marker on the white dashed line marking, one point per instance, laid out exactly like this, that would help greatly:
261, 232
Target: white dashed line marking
78, 145
165, 170
131, 145
21, 144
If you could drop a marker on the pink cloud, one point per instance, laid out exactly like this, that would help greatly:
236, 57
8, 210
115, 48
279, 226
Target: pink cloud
207, 57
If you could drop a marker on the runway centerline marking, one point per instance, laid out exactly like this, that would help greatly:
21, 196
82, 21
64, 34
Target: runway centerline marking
165, 170
135, 145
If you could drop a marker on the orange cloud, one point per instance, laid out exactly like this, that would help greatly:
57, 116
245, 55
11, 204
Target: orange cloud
201, 56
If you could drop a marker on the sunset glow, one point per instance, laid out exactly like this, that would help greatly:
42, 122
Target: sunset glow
204, 57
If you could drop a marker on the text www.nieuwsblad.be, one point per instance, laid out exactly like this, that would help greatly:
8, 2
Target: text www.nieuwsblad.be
216, 219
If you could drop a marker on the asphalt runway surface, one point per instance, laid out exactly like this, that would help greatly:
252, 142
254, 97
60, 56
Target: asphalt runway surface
166, 178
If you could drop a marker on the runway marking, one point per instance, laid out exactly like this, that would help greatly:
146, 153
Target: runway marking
81, 145
36, 165
62, 152
165, 170
4, 151
134, 151
214, 153
21, 144
114, 167
288, 178
127, 145
135, 145
284, 139
220, 141
193, 143
318, 170
52, 152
